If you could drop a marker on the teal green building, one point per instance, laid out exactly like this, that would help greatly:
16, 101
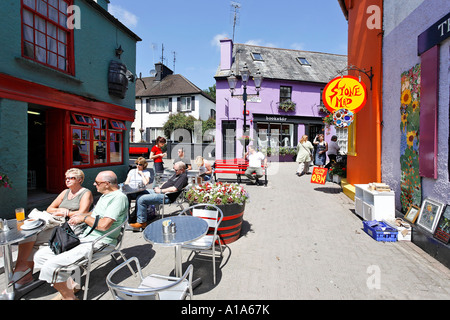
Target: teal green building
66, 95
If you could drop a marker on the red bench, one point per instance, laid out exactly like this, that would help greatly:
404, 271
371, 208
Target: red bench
235, 166
139, 152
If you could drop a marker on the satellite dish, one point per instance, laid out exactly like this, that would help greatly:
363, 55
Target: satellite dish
153, 72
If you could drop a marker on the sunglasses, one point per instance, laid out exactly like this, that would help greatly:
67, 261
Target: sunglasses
139, 164
99, 182
71, 178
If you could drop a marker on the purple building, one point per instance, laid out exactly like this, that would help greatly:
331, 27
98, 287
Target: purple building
288, 104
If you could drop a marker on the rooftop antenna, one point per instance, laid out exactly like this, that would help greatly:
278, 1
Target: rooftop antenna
235, 6
162, 52
174, 60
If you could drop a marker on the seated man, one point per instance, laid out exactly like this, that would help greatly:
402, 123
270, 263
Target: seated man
156, 196
254, 164
181, 157
112, 207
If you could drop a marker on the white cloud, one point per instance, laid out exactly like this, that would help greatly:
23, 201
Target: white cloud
261, 43
215, 42
127, 18
298, 46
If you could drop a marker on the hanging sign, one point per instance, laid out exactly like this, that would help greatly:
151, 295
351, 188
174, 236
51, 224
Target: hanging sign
319, 175
344, 92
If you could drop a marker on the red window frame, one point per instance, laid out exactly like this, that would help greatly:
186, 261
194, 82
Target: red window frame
50, 35
112, 136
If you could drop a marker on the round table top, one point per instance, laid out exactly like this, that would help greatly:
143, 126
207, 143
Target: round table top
188, 229
16, 234
129, 189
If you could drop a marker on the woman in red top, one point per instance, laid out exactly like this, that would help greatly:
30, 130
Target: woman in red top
157, 155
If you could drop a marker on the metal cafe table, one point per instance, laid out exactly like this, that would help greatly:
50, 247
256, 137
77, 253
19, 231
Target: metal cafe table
14, 234
188, 229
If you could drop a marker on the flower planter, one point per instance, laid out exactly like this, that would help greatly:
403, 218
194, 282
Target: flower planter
230, 198
336, 179
230, 228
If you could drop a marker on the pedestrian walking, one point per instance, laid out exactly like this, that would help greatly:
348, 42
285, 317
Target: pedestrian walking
304, 155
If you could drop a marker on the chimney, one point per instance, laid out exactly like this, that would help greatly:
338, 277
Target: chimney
226, 54
161, 71
103, 3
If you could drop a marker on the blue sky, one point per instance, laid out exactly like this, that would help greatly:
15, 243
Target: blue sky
193, 29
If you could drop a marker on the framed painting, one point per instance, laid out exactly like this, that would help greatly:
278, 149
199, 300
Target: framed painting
412, 214
442, 232
429, 215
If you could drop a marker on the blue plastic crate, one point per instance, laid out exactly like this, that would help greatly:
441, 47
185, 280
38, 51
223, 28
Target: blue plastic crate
380, 231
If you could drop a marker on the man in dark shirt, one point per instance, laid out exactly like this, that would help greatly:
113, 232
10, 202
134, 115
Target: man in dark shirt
172, 187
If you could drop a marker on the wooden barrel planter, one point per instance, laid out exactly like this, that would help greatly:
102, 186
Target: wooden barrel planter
230, 228
117, 79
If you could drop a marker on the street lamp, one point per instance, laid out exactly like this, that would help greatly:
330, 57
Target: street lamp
245, 76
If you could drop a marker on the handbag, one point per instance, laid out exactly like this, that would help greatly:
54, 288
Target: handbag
63, 238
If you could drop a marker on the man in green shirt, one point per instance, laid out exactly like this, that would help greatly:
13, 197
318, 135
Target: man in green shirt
112, 208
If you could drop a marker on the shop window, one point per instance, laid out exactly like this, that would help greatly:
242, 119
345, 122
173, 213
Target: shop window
45, 36
96, 141
342, 139
80, 146
115, 147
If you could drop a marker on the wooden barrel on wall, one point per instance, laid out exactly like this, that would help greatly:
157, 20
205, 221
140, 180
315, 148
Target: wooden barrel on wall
117, 79
230, 228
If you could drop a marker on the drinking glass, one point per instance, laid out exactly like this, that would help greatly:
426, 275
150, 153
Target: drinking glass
20, 214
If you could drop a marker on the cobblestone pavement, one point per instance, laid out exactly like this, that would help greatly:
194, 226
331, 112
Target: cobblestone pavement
299, 241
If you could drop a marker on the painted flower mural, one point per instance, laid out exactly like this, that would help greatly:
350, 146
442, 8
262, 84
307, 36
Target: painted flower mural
411, 184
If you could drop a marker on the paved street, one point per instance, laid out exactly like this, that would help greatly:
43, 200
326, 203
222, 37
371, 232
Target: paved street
299, 241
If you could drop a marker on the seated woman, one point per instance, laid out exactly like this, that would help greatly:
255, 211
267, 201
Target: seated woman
72, 201
204, 168
138, 176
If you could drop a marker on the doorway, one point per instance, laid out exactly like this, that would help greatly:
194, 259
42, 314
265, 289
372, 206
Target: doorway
229, 139
37, 178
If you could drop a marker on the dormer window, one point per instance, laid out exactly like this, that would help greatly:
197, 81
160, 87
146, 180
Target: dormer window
303, 61
257, 56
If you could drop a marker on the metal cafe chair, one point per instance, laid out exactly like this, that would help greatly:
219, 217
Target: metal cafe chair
213, 215
178, 201
86, 263
152, 287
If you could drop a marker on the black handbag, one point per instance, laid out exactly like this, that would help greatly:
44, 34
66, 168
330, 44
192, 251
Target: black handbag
63, 238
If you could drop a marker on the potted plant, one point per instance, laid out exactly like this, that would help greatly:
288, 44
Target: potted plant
230, 198
338, 171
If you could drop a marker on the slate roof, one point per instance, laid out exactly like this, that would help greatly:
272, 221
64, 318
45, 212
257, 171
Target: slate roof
282, 64
170, 85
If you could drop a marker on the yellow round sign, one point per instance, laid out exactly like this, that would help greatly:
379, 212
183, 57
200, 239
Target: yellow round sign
344, 93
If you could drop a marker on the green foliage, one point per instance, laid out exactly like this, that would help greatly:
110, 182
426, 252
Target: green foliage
182, 121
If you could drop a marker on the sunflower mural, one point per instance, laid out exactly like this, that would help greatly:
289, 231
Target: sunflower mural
411, 183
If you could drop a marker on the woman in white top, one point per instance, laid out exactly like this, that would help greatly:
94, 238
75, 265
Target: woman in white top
304, 152
204, 168
140, 175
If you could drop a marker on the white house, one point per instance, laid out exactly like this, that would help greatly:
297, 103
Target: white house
162, 95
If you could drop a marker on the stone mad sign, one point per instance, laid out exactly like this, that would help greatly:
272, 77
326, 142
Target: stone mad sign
344, 92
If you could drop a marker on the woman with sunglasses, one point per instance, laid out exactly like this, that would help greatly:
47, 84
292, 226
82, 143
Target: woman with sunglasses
72, 201
140, 175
